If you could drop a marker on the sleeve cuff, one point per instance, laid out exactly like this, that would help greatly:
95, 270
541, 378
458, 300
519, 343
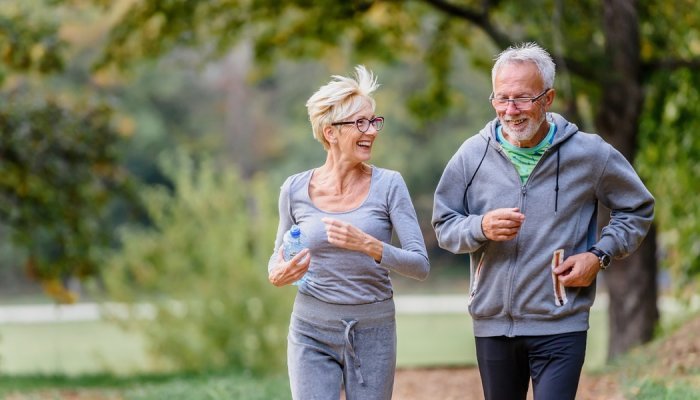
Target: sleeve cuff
475, 229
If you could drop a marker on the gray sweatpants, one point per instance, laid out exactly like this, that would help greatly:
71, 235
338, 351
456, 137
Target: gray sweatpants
331, 345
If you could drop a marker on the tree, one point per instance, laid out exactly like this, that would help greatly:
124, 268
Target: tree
198, 265
609, 54
60, 173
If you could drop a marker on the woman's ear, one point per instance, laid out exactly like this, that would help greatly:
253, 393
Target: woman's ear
329, 134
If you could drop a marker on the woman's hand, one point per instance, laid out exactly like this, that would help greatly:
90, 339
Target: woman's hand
347, 236
287, 272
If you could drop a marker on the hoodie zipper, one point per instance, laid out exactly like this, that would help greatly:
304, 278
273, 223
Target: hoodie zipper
513, 269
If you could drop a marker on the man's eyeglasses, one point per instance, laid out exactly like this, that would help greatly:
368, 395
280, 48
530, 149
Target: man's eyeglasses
363, 124
521, 103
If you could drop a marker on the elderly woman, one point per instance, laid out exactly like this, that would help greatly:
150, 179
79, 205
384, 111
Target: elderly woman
342, 332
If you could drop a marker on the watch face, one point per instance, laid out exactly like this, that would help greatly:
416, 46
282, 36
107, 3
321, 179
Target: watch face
605, 259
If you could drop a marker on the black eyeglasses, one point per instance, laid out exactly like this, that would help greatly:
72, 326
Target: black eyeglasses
363, 124
521, 103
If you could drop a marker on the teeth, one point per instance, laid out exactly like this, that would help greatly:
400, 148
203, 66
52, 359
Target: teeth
364, 143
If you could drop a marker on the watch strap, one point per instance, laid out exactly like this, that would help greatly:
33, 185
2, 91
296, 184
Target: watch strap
603, 258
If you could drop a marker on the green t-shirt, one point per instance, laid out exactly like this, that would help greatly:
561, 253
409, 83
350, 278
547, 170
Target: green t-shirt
525, 158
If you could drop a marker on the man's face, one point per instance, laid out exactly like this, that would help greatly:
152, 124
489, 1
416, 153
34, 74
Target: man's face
524, 128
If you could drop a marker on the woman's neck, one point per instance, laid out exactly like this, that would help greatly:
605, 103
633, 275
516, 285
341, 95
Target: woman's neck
339, 176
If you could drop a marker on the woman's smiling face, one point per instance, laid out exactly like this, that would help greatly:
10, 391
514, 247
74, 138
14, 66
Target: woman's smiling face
352, 143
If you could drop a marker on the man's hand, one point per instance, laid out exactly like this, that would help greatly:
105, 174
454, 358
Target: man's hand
502, 224
578, 270
287, 272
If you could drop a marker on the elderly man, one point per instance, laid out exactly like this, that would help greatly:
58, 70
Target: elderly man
522, 198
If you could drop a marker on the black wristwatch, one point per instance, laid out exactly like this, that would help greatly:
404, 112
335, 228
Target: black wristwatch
603, 258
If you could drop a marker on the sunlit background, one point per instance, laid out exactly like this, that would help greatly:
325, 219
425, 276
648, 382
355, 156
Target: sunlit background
143, 143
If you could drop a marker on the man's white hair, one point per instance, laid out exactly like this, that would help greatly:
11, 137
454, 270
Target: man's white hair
527, 52
339, 99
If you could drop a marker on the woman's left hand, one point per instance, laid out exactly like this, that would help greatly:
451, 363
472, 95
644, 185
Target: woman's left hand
347, 236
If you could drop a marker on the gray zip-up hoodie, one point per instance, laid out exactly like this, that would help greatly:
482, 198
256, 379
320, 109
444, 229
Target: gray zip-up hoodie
512, 288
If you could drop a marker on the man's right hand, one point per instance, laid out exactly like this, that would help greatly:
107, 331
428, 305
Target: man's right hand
502, 224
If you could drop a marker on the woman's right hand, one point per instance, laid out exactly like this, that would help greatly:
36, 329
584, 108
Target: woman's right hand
288, 272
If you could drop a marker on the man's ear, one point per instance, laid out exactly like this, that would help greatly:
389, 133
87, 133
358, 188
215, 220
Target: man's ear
550, 97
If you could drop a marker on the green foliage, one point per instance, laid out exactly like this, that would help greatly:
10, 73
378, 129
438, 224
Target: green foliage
279, 29
29, 41
203, 266
669, 160
60, 173
435, 32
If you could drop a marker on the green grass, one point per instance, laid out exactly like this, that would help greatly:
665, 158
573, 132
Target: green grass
448, 340
213, 387
102, 347
210, 386
103, 362
653, 390
430, 340
71, 348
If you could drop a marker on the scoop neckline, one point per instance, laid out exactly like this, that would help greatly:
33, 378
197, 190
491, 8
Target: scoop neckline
362, 203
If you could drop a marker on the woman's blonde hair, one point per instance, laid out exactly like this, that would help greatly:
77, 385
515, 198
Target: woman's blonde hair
339, 99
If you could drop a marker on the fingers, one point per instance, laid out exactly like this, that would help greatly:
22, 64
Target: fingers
343, 234
301, 259
502, 223
290, 271
565, 268
337, 227
578, 270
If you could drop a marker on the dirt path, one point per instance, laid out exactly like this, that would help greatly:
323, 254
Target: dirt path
465, 384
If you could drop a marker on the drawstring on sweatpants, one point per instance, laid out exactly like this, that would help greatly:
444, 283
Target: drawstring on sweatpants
349, 339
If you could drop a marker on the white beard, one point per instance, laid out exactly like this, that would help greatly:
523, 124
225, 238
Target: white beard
522, 132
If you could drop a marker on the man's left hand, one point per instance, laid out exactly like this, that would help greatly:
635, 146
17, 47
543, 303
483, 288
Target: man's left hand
578, 270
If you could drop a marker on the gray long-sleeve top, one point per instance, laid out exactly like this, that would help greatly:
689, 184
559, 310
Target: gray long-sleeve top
342, 276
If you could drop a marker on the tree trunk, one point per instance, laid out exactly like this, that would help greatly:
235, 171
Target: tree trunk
631, 282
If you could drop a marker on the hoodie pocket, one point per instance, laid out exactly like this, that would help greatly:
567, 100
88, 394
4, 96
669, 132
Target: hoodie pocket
559, 291
475, 281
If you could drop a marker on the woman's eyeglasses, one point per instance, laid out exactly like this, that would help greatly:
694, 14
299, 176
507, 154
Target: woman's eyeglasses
363, 124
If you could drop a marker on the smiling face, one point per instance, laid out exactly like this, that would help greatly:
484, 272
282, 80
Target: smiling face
517, 80
351, 144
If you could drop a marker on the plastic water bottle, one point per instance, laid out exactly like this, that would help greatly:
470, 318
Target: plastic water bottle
292, 244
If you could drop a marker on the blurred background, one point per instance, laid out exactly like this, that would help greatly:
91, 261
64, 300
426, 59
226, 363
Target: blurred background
143, 144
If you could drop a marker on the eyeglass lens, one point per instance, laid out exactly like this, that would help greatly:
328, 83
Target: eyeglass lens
521, 104
363, 124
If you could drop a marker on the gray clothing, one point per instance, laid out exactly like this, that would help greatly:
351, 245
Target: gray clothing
512, 291
334, 346
341, 276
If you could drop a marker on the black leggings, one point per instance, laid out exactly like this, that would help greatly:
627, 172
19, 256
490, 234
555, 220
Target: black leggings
554, 362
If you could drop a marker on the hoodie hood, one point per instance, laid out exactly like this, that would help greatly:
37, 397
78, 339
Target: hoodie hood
564, 131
